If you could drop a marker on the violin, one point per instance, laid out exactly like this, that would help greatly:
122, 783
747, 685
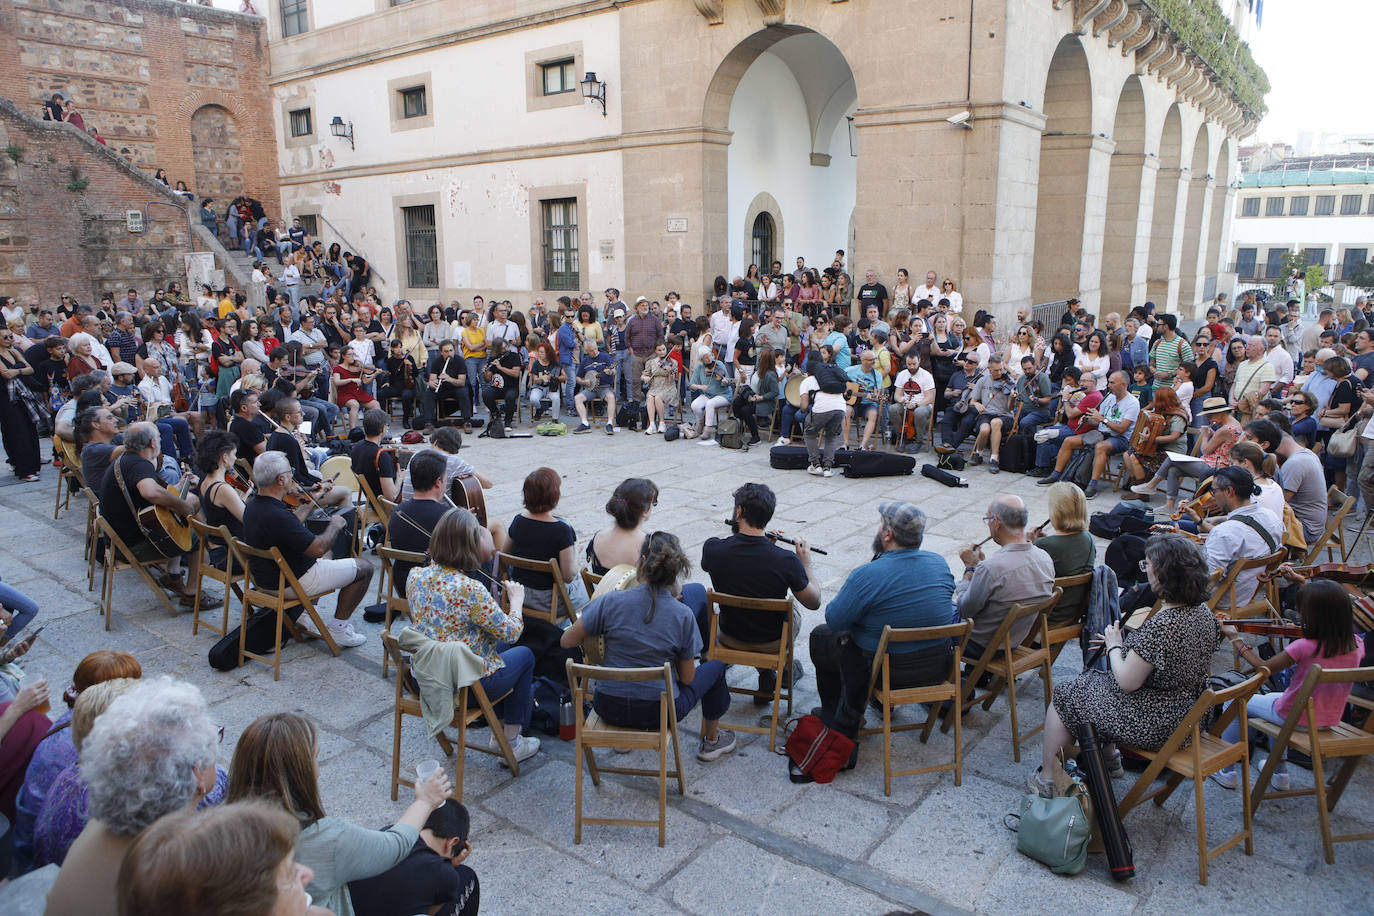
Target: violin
1170, 529
237, 482
1202, 506
1286, 630
1336, 572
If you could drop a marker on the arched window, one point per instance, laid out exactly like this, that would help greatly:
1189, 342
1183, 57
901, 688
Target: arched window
762, 235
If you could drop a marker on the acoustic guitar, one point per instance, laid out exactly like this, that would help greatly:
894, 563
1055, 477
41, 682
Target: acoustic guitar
168, 532
854, 392
466, 493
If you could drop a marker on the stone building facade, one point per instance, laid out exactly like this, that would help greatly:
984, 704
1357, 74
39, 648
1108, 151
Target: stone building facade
1033, 149
181, 86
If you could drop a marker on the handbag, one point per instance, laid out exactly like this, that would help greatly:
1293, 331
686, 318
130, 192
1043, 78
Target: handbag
1342, 442
816, 752
1293, 537
1054, 832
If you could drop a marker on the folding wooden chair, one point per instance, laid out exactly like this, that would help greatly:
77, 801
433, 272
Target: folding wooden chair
592, 732
370, 511
1333, 536
408, 704
934, 694
1006, 663
390, 592
775, 656
93, 536
1345, 740
118, 557
230, 576
1258, 604
68, 476
1062, 635
560, 599
1192, 753
286, 594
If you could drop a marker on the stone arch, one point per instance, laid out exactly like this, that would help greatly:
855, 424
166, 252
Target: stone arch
1223, 195
1130, 194
217, 153
1062, 195
1196, 220
763, 204
1165, 228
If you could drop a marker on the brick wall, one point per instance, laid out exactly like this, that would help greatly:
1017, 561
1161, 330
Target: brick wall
182, 86
62, 217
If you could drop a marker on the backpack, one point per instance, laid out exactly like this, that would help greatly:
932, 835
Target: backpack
671, 432
830, 378
815, 752
627, 415
730, 433
1017, 454
1108, 525
1079, 470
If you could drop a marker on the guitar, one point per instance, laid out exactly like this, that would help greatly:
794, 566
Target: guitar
466, 493
168, 532
854, 392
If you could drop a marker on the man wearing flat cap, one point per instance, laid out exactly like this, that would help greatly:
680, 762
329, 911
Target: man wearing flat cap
903, 586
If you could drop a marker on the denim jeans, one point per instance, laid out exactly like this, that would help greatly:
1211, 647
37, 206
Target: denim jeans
474, 366
624, 387
708, 687
1045, 452
517, 676
570, 390
176, 437
25, 609
791, 416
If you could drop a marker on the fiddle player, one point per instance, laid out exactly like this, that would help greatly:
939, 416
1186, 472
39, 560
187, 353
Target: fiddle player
915, 400
709, 381
400, 371
287, 439
1247, 530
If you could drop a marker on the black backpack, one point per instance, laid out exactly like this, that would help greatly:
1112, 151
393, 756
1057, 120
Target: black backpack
1017, 454
830, 378
627, 415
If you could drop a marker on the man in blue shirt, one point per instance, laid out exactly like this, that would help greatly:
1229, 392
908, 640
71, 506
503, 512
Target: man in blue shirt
870, 385
601, 368
903, 586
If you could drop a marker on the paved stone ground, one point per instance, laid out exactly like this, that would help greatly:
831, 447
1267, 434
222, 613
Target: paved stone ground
743, 839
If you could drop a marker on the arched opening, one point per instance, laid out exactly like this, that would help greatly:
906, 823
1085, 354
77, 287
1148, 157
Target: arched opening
761, 241
1125, 247
1197, 217
1221, 206
1061, 198
1170, 185
216, 154
784, 94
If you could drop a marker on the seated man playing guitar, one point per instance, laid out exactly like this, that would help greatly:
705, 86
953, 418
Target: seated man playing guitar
130, 487
864, 401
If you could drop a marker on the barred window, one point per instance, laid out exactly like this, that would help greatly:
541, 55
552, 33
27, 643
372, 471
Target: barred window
561, 269
422, 248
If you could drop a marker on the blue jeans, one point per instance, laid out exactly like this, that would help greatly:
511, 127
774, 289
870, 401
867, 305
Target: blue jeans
624, 386
708, 688
1259, 706
694, 596
516, 676
791, 416
473, 365
1045, 452
1031, 420
176, 437
570, 390
24, 609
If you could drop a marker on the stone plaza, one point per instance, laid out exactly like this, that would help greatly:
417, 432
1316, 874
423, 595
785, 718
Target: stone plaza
743, 839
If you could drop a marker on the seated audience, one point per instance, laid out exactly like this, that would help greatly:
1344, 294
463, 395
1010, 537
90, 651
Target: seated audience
1218, 436
1019, 573
538, 534
373, 463
619, 544
432, 878
1072, 550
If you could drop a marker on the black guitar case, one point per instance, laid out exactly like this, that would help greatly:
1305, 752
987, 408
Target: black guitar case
262, 632
1120, 858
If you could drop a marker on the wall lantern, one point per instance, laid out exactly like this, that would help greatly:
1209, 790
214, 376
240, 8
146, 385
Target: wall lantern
594, 90
343, 131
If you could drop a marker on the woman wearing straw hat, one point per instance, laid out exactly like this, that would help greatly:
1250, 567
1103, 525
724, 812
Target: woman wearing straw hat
1222, 432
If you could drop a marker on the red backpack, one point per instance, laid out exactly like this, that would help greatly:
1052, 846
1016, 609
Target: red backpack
816, 752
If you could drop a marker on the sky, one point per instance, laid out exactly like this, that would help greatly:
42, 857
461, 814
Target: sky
1315, 52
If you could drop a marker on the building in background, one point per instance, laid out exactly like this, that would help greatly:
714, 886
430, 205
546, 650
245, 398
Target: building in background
1042, 150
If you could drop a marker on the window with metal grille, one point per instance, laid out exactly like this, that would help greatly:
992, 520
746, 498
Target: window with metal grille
558, 76
310, 222
295, 17
1249, 206
1353, 258
302, 125
1273, 265
1273, 206
1297, 206
422, 248
560, 244
1245, 261
1314, 256
1326, 204
413, 102
762, 238
1350, 204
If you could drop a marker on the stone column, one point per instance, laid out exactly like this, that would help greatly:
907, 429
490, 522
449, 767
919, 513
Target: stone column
1166, 238
1193, 269
1126, 247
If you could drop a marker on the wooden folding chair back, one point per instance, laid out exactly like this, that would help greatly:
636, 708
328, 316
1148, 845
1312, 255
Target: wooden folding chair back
1333, 536
280, 596
1322, 744
69, 474
118, 557
93, 535
775, 656
558, 602
230, 576
1007, 662
1257, 605
936, 695
394, 602
339, 468
593, 732
1060, 636
1194, 753
408, 704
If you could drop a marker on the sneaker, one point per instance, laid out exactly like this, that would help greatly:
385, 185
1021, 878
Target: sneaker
345, 637
649, 431
1052, 477
1037, 786
582, 428
813, 469
1045, 435
710, 441
975, 458
914, 448
610, 430
1091, 490
1227, 778
524, 747
754, 440
1038, 472
1115, 768
307, 625
1280, 781
828, 472
1146, 488
993, 467
714, 750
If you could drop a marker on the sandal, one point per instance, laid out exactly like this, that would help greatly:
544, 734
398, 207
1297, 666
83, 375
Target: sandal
207, 602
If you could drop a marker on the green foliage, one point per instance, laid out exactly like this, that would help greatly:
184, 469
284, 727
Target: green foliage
77, 182
1362, 276
1204, 28
1315, 277
15, 152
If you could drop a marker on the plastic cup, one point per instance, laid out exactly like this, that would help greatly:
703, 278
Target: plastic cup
425, 769
28, 681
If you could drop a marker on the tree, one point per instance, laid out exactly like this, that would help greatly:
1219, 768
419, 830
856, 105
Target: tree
1362, 276
1314, 280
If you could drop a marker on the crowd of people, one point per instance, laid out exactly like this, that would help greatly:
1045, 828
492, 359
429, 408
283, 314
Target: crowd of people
242, 408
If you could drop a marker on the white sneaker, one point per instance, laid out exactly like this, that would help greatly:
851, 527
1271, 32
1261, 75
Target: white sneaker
710, 441
1280, 781
1146, 488
523, 746
344, 635
1227, 778
827, 472
814, 469
307, 623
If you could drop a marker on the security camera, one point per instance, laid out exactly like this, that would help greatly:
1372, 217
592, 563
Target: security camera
961, 118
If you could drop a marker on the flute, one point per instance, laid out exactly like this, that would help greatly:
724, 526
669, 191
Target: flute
989, 537
786, 540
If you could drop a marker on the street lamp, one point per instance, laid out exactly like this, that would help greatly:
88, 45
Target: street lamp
594, 90
343, 131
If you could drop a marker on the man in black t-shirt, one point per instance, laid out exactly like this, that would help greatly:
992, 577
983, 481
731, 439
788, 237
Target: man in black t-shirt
413, 521
749, 565
288, 413
245, 425
501, 381
132, 485
432, 879
268, 523
873, 293
373, 463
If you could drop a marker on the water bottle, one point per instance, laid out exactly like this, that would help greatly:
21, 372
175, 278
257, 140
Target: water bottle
567, 728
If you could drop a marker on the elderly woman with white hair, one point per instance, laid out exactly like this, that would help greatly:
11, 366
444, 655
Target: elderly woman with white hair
152, 752
83, 359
